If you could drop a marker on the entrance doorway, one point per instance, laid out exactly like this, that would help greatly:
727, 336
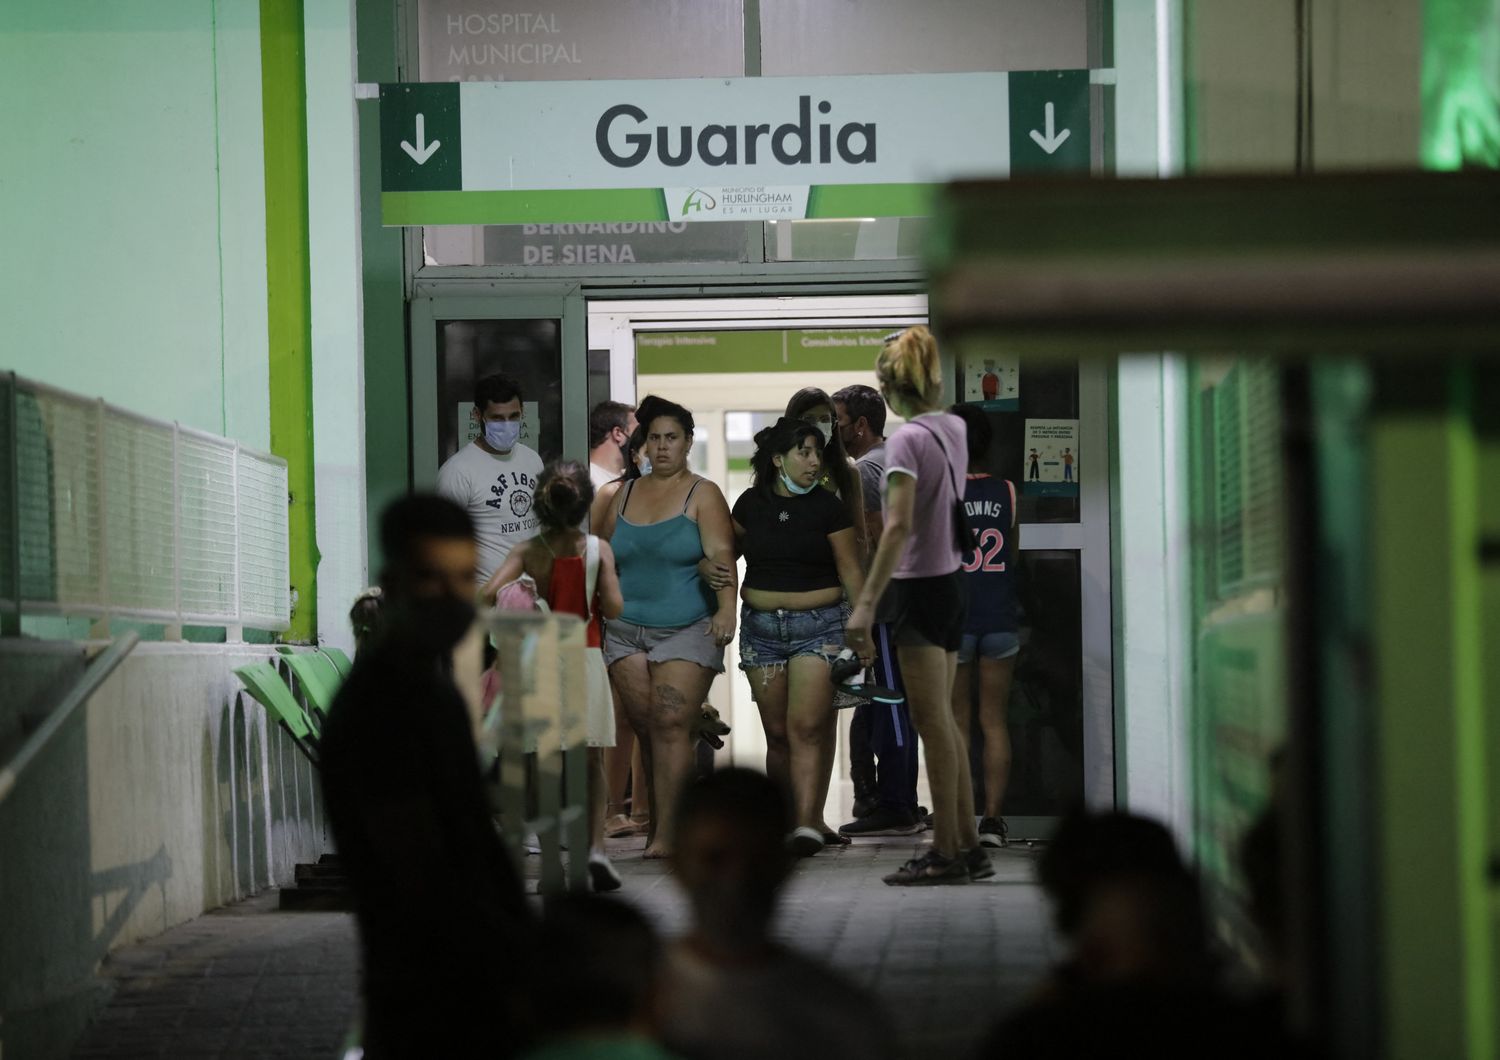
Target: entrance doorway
735, 361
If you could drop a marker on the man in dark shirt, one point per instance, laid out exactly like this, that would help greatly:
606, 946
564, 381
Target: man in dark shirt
440, 906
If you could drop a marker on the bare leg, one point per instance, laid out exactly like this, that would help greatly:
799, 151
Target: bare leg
968, 826
963, 700
768, 685
631, 678
678, 689
597, 799
928, 674
809, 711
640, 781
830, 753
994, 701
617, 758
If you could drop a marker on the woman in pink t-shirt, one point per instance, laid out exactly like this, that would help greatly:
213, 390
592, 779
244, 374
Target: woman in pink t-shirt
926, 463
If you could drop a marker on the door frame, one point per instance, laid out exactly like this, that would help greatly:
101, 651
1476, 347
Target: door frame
661, 303
561, 302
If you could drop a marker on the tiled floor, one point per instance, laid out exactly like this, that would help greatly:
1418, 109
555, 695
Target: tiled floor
250, 981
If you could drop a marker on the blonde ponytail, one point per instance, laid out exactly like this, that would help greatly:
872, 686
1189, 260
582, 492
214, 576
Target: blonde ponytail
909, 364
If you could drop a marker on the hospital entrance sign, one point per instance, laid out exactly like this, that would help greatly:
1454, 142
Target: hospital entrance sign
744, 149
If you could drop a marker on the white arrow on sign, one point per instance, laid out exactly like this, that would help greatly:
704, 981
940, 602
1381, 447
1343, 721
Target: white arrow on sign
424, 150
1049, 143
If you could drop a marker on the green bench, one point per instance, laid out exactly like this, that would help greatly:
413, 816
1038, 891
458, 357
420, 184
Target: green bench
317, 676
263, 681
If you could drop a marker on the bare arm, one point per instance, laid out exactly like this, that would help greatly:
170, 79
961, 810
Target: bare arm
602, 511
900, 497
717, 573
611, 600
855, 504
1015, 531
716, 532
874, 526
851, 571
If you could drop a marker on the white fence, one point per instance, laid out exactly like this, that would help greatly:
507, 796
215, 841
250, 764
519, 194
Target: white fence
106, 513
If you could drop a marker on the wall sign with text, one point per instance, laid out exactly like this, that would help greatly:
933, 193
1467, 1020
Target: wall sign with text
764, 148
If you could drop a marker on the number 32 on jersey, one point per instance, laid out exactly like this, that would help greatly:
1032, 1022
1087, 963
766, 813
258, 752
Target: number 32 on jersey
990, 555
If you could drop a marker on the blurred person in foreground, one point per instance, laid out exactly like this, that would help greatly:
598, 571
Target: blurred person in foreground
730, 990
1140, 977
598, 975
439, 904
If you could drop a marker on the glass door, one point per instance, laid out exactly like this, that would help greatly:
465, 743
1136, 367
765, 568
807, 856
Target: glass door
1050, 421
460, 337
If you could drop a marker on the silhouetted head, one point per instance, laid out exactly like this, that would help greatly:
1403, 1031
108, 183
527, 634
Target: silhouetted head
365, 615
1124, 899
980, 433
597, 965
431, 561
730, 855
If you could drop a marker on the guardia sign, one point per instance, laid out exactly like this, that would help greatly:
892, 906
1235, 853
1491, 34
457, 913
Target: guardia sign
709, 150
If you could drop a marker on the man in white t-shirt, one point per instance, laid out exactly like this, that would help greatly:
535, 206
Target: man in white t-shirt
611, 423
494, 477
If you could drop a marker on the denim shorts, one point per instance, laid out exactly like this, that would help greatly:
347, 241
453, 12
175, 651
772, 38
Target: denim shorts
988, 646
774, 638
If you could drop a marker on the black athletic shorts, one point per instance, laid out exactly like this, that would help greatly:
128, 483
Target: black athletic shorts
928, 611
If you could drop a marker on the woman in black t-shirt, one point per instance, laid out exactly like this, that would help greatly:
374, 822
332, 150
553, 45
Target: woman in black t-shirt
801, 559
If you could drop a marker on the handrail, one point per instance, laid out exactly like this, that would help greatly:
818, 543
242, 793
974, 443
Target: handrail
105, 512
87, 684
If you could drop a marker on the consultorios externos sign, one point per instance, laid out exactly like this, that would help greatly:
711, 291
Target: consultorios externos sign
738, 149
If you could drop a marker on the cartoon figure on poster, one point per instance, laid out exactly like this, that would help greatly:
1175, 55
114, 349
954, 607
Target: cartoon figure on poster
1051, 460
993, 383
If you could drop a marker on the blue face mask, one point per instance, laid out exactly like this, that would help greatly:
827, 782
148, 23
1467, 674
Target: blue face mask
794, 488
645, 465
502, 435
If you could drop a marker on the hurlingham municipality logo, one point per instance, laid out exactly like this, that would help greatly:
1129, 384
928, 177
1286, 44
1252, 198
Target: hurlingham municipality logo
698, 201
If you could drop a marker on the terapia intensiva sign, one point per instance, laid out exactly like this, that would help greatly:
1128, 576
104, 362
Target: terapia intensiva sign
716, 150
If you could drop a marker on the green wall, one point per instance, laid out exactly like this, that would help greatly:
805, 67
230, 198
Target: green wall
131, 199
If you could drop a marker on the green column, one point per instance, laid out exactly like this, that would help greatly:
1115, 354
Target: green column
1487, 438
1432, 790
288, 291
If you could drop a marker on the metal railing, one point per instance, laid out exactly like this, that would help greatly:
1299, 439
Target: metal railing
99, 668
107, 513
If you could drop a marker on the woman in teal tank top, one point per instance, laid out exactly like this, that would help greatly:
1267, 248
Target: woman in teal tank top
668, 643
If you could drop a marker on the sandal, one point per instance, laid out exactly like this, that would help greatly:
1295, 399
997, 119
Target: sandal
836, 839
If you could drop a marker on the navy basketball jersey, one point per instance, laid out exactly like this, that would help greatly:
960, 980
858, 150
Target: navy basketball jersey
991, 504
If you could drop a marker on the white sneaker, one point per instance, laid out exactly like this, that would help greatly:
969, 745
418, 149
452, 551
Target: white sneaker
804, 842
602, 874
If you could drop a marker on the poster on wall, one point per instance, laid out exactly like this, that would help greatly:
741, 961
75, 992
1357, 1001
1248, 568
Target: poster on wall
993, 382
531, 427
1049, 459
